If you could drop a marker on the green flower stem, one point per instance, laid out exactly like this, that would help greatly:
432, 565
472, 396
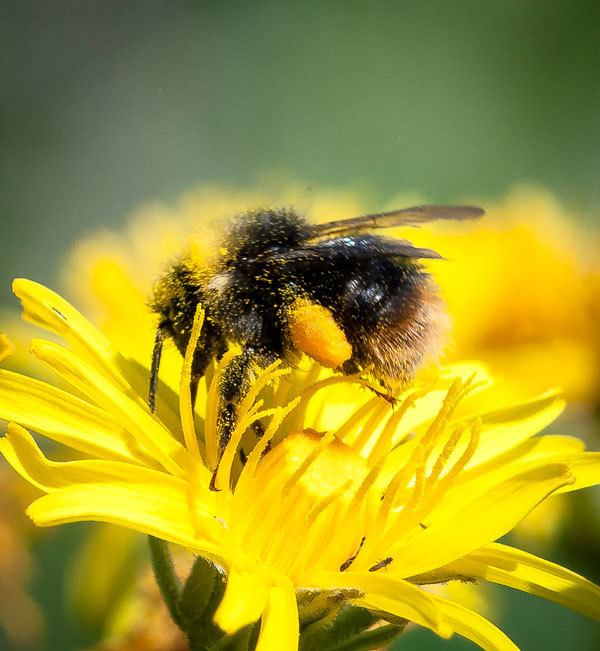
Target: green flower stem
167, 580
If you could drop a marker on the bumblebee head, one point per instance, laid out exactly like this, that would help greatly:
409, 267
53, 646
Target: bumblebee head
174, 296
258, 231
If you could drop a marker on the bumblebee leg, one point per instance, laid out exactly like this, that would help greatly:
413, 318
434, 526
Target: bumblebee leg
233, 387
199, 364
388, 397
238, 376
156, 353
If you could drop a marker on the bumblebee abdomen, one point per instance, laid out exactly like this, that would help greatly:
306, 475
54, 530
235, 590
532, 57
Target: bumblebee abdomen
393, 317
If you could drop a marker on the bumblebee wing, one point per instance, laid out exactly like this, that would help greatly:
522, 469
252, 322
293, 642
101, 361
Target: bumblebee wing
348, 248
404, 217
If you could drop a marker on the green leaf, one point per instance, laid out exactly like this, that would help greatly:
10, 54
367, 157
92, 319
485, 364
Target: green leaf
317, 606
336, 627
371, 639
200, 598
243, 640
349, 629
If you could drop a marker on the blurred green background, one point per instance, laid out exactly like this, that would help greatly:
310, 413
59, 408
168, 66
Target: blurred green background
106, 105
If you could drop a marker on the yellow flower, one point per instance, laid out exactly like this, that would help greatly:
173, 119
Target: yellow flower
342, 494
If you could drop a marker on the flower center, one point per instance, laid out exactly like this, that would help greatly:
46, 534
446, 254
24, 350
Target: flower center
300, 490
317, 464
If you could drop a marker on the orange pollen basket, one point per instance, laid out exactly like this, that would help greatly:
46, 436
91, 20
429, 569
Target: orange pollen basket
313, 330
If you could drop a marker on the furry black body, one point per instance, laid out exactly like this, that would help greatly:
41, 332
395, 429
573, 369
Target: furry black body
376, 291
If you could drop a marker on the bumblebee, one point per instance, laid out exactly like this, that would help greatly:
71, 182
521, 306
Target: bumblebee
279, 287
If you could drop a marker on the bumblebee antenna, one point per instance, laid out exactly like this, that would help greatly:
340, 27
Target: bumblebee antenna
156, 353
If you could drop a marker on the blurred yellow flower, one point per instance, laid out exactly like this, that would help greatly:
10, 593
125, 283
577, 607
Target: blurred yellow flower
20, 616
523, 288
140, 621
352, 497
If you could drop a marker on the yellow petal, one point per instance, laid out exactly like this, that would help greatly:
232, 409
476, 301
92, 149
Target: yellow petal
45, 308
474, 627
389, 594
483, 520
280, 628
244, 600
22, 452
161, 511
501, 429
426, 408
518, 569
586, 468
507, 427
167, 406
528, 455
148, 432
7, 348
423, 412
63, 417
